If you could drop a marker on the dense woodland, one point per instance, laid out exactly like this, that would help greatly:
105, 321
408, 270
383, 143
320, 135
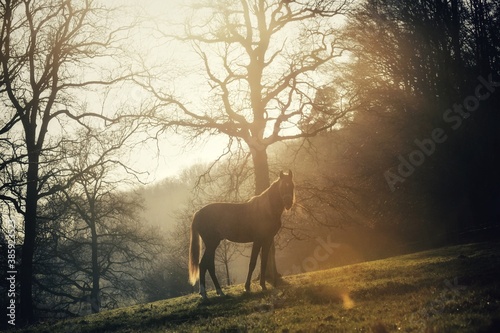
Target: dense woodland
394, 147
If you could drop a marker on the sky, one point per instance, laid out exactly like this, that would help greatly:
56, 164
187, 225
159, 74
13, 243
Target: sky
170, 155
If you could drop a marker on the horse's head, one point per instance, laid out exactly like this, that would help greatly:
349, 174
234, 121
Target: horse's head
286, 188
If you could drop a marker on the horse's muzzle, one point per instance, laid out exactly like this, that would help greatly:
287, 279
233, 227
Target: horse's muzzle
288, 201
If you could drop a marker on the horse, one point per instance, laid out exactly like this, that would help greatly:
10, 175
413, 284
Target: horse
256, 221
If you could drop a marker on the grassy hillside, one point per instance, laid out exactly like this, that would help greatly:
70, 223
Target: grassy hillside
454, 289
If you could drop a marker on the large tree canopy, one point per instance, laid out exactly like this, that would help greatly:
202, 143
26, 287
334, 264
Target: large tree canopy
261, 62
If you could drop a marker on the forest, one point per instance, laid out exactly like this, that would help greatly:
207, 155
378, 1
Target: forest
387, 111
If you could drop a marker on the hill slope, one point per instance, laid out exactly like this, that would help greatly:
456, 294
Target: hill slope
452, 289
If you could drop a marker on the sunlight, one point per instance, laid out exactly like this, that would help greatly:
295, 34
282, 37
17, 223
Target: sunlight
347, 301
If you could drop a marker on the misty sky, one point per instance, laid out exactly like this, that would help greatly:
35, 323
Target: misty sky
171, 154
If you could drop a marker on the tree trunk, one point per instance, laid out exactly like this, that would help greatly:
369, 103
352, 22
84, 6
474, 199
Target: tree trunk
262, 182
95, 299
28, 248
261, 170
226, 265
455, 33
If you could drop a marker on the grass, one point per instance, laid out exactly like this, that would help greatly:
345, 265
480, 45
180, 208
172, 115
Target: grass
453, 289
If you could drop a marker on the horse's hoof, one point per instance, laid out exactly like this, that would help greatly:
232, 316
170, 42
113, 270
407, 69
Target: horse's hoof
221, 293
264, 288
203, 296
247, 288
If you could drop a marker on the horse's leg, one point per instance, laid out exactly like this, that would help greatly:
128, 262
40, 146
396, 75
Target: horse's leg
203, 271
263, 262
211, 266
253, 260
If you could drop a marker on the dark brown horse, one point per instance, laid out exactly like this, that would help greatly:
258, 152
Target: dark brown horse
256, 220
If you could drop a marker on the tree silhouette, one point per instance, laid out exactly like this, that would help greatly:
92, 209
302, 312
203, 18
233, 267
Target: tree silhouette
99, 240
48, 51
414, 65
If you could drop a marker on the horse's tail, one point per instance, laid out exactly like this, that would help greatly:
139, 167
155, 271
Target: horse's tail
194, 254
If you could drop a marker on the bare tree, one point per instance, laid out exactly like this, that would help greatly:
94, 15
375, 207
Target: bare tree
261, 61
49, 50
97, 249
226, 253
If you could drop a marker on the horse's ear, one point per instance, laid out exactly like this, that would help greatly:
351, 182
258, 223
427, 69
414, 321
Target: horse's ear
290, 174
281, 174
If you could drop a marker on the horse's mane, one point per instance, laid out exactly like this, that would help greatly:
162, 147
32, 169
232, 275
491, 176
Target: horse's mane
265, 193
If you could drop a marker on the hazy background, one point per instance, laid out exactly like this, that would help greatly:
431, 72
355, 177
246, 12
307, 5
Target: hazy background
117, 130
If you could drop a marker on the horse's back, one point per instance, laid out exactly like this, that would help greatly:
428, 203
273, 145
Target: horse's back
224, 220
221, 210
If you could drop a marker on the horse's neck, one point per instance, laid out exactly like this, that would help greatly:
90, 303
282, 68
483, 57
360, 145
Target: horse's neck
275, 200
270, 199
